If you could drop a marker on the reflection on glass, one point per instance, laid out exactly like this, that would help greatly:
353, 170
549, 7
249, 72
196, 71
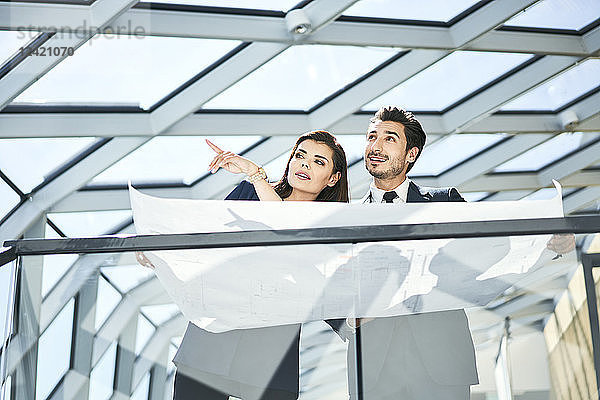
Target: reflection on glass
474, 196
47, 155
89, 223
430, 10
141, 391
107, 300
449, 80
126, 277
559, 90
144, 332
55, 265
8, 198
544, 154
448, 152
276, 5
5, 292
103, 375
117, 69
300, 77
171, 159
54, 351
10, 42
161, 313
558, 14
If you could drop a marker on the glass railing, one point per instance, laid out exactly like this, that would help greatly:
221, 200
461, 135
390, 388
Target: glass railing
378, 312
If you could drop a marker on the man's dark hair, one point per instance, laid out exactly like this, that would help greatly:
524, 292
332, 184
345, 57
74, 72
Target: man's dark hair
415, 135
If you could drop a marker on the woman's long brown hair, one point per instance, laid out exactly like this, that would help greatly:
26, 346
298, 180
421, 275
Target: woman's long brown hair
337, 192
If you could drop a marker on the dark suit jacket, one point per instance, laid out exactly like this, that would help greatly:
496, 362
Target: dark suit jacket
443, 339
239, 361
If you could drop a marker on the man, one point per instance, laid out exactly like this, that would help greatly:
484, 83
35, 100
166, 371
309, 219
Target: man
419, 356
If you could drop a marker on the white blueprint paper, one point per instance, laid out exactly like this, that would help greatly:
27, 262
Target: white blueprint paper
234, 288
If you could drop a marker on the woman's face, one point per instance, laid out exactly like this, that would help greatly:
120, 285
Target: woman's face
311, 168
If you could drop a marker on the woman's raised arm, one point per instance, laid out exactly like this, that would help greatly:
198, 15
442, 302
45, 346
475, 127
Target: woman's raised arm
239, 165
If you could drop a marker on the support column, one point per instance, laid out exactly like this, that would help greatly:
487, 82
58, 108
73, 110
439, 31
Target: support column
125, 360
158, 376
29, 300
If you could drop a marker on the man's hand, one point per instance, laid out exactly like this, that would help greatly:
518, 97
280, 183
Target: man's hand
561, 243
143, 260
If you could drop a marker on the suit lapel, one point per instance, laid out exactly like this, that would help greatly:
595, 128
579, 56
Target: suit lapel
417, 194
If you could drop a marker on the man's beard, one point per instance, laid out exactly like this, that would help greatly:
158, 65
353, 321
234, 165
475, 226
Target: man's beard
394, 169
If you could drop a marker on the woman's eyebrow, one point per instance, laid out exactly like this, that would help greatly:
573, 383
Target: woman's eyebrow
323, 157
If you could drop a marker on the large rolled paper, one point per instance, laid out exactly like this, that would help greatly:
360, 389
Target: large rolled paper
234, 288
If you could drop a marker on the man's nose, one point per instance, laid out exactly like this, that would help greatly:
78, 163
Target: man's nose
376, 145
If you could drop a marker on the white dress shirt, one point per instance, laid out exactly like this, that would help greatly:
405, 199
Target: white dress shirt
376, 195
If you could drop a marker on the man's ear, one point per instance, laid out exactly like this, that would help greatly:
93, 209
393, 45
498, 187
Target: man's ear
334, 179
412, 154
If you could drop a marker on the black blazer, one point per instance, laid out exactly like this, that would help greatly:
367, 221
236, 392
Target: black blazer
443, 338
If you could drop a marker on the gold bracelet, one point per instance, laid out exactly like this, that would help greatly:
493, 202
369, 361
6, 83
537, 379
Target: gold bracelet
259, 175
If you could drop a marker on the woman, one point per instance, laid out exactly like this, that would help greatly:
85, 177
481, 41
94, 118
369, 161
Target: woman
260, 363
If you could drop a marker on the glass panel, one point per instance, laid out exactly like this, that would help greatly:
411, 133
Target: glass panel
8, 199
55, 265
547, 193
144, 332
89, 223
448, 152
126, 277
546, 153
54, 351
171, 159
160, 313
449, 80
474, 196
430, 10
354, 146
276, 5
103, 375
558, 14
5, 298
27, 162
116, 69
107, 301
11, 42
141, 391
559, 90
301, 77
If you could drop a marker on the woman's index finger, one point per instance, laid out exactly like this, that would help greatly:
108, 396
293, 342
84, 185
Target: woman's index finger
213, 146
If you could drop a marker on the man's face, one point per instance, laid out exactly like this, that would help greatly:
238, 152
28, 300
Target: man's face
385, 153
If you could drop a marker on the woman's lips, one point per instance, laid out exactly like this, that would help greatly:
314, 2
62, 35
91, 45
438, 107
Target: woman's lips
302, 176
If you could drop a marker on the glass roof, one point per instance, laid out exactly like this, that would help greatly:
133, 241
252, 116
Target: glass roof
276, 5
89, 223
171, 159
126, 277
450, 151
103, 375
558, 14
20, 155
144, 332
429, 10
107, 300
354, 146
11, 42
116, 70
449, 80
8, 198
158, 314
54, 351
547, 152
276, 167
55, 265
474, 196
560, 90
142, 389
301, 77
